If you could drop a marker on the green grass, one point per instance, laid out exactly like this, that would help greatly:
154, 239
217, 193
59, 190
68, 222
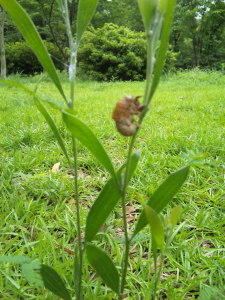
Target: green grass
187, 117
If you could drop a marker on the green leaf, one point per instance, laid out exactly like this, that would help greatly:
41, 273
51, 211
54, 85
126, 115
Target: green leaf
154, 250
174, 217
106, 201
163, 43
60, 4
45, 114
86, 9
156, 226
52, 125
212, 293
147, 9
16, 84
29, 31
30, 269
55, 105
53, 282
84, 134
71, 111
163, 194
104, 266
140, 198
16, 259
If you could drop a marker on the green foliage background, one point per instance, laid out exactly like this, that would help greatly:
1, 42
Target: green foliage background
20, 58
197, 37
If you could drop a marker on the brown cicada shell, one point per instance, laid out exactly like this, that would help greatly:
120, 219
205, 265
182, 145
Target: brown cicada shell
123, 114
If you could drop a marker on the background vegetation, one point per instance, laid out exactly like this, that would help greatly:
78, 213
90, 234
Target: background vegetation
37, 208
197, 38
187, 120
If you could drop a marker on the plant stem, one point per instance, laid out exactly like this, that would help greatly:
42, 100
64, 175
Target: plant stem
127, 241
163, 255
72, 77
78, 218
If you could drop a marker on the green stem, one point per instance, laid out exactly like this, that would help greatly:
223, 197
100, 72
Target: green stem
67, 22
127, 241
78, 217
163, 255
72, 77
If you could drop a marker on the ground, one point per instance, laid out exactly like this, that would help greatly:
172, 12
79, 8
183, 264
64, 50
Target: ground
186, 120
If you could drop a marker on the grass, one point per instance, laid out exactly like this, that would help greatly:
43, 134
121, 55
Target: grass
187, 118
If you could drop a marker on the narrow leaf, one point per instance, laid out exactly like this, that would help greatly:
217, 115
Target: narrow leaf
147, 9
45, 114
174, 217
84, 134
16, 84
86, 9
52, 125
156, 226
106, 201
163, 44
52, 103
163, 194
104, 266
29, 31
53, 282
154, 250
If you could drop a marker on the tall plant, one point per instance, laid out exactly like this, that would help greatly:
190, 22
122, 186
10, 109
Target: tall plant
157, 17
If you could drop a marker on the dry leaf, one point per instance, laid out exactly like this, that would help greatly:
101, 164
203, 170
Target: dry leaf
82, 235
157, 266
55, 168
72, 202
130, 219
81, 174
95, 277
129, 209
135, 250
65, 249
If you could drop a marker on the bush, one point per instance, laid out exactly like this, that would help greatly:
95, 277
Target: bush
115, 53
20, 58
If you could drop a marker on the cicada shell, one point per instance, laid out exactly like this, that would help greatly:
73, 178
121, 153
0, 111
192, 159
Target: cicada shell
123, 114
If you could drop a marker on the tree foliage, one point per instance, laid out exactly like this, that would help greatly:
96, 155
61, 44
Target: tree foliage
197, 36
115, 53
198, 33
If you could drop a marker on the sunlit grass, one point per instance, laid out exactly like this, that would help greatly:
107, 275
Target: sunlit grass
187, 117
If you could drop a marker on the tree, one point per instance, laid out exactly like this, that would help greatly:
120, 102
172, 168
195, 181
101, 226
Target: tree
196, 22
2, 43
120, 12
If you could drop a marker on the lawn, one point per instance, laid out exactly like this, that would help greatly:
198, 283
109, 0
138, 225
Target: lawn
186, 120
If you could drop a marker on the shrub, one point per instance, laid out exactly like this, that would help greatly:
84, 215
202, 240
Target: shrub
20, 58
114, 52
